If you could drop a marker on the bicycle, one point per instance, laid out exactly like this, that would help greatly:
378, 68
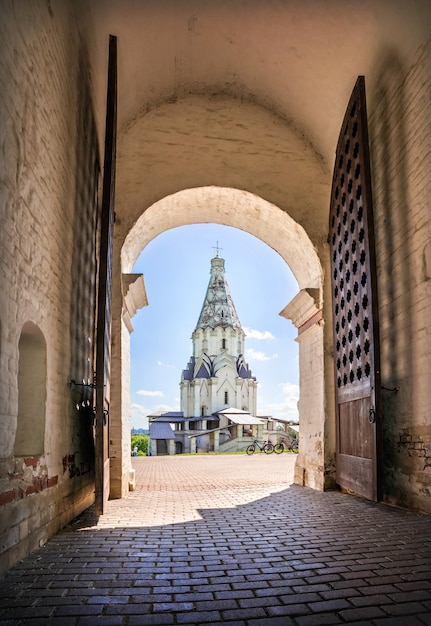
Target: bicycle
279, 447
291, 446
266, 447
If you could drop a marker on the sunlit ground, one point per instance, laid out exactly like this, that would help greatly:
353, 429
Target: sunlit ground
174, 489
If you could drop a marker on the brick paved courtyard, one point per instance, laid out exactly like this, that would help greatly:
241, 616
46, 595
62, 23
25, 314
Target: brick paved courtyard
227, 539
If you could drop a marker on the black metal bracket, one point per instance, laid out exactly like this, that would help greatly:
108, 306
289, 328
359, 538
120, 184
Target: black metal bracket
83, 384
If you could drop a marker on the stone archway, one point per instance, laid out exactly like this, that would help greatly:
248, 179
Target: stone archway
255, 215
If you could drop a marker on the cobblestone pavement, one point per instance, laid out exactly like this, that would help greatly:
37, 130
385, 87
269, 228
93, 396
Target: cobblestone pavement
226, 539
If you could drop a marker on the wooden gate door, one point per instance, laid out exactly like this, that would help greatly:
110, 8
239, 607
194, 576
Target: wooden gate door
104, 302
355, 312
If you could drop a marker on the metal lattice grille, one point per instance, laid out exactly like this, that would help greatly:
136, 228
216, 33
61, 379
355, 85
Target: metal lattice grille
352, 258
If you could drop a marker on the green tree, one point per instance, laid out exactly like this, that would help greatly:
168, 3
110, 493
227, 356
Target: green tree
141, 443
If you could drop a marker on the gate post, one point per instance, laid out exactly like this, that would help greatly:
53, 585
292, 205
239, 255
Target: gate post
306, 314
128, 295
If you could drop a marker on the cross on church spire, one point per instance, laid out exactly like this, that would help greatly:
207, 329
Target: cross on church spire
216, 248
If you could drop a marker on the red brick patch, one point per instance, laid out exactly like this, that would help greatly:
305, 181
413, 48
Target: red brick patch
32, 461
7, 496
34, 488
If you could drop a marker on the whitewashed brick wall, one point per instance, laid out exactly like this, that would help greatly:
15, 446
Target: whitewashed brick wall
400, 138
48, 210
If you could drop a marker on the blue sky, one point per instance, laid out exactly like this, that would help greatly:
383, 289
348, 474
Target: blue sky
176, 268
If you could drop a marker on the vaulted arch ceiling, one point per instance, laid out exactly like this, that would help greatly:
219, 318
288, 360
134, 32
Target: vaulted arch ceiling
241, 94
202, 141
297, 58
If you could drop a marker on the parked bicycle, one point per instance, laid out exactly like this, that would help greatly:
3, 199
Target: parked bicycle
279, 447
266, 447
293, 444
289, 446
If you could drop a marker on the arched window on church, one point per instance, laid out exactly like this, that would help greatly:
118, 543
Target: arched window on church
226, 397
30, 432
223, 344
203, 410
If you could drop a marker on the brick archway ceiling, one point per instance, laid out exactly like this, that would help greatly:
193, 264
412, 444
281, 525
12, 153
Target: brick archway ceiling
240, 94
297, 58
209, 167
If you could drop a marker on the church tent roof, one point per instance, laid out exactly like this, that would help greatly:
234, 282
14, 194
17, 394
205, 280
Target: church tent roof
218, 308
188, 372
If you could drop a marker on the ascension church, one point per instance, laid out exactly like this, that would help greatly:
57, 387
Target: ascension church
218, 389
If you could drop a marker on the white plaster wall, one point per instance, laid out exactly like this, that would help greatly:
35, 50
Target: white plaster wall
400, 130
311, 465
48, 210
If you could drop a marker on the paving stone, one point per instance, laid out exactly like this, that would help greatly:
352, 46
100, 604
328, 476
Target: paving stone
82, 609
243, 614
271, 621
339, 593
106, 620
324, 606
155, 619
128, 609
173, 607
318, 620
363, 613
401, 621
371, 600
297, 608
407, 608
412, 595
43, 621
216, 540
304, 597
200, 618
216, 605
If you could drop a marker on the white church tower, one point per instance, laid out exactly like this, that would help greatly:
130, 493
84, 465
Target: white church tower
217, 376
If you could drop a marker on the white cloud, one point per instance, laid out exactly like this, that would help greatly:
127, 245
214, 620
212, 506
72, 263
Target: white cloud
161, 364
139, 409
287, 407
149, 394
290, 389
257, 334
254, 355
138, 417
164, 408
